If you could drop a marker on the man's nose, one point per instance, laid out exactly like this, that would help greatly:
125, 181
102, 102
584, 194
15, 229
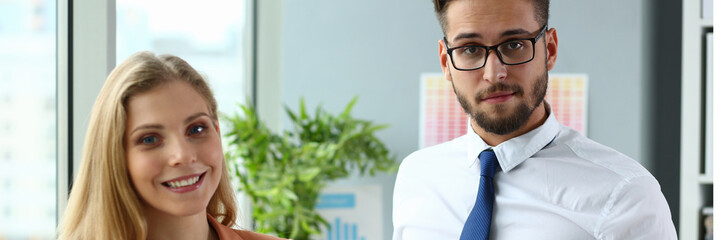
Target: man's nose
495, 70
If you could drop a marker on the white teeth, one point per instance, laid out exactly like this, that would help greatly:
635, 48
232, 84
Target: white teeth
183, 183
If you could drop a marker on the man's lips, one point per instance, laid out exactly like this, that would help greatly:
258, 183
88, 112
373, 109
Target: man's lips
498, 97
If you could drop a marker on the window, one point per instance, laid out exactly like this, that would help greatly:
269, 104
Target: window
27, 119
210, 35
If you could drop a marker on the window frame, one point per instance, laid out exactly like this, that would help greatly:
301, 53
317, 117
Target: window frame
91, 25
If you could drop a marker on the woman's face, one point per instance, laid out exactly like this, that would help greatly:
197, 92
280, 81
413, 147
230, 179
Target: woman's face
173, 149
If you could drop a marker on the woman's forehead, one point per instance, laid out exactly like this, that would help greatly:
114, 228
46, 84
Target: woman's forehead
171, 102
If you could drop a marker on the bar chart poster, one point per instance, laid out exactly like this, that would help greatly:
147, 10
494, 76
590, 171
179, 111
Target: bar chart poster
443, 119
568, 97
353, 212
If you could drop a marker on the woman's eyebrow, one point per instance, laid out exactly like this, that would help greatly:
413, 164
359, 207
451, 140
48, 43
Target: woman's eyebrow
146, 126
194, 116
160, 127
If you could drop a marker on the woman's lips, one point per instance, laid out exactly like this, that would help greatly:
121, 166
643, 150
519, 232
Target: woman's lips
185, 184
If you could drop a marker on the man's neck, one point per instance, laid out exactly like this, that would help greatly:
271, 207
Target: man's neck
164, 226
537, 118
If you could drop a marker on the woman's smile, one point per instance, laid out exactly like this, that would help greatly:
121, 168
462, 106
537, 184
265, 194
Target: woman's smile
185, 184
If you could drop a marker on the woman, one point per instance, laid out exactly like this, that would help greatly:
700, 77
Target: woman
153, 165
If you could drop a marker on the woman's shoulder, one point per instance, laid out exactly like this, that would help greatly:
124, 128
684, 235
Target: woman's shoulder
248, 235
227, 233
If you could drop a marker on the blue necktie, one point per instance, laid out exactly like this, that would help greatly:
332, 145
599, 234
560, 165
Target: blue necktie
477, 225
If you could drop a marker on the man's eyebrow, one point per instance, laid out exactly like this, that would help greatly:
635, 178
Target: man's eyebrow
517, 31
466, 35
511, 32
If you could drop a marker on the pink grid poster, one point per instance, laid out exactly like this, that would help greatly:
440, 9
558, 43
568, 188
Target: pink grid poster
443, 119
441, 116
567, 95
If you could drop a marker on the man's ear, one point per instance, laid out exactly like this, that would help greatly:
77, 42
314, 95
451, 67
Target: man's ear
552, 47
442, 54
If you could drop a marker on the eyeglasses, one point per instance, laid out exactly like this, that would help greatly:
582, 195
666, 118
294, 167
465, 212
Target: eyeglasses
512, 52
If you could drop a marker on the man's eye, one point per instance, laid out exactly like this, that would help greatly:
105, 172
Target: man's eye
196, 130
149, 140
514, 45
470, 50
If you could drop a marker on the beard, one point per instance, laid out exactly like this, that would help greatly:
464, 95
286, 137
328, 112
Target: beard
517, 118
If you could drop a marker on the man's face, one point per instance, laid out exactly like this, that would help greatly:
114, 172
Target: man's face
500, 98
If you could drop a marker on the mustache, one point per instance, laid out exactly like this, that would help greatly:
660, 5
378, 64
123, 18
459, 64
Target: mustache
499, 87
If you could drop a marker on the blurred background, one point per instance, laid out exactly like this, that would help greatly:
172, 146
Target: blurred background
55, 54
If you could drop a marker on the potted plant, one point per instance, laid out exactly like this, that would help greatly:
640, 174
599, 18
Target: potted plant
285, 173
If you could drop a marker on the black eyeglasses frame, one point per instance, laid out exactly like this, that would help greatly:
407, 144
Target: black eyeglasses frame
494, 48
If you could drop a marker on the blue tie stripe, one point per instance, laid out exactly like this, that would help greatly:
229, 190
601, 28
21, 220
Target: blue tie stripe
477, 225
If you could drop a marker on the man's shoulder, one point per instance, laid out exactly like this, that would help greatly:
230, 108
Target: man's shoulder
429, 155
601, 155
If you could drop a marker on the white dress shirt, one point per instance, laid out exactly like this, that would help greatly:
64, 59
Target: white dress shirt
553, 183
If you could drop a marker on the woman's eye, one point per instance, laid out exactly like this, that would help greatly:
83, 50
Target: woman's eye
196, 130
149, 140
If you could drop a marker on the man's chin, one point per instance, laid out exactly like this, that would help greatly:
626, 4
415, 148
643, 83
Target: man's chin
497, 110
501, 119
493, 120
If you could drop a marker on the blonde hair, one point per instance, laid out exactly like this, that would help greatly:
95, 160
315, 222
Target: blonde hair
103, 203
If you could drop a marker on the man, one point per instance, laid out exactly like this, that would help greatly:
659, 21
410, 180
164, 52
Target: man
518, 174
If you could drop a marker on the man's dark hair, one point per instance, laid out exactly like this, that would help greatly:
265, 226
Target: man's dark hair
542, 9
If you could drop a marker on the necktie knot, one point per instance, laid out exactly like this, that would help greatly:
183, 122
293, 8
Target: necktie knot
488, 163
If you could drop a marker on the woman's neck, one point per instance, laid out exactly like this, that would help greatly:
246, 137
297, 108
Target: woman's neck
164, 226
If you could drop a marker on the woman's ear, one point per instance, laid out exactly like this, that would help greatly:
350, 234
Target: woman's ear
217, 126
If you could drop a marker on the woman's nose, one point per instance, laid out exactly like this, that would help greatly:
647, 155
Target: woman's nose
181, 152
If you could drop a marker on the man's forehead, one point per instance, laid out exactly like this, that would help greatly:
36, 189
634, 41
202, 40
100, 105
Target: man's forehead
490, 18
480, 35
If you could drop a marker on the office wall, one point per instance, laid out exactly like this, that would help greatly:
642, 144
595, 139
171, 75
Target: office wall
606, 41
376, 49
335, 50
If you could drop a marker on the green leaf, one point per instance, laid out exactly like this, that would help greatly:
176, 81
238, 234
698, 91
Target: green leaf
309, 173
289, 194
349, 107
290, 113
267, 192
303, 113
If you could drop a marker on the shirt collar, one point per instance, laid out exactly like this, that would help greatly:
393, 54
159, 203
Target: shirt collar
514, 151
